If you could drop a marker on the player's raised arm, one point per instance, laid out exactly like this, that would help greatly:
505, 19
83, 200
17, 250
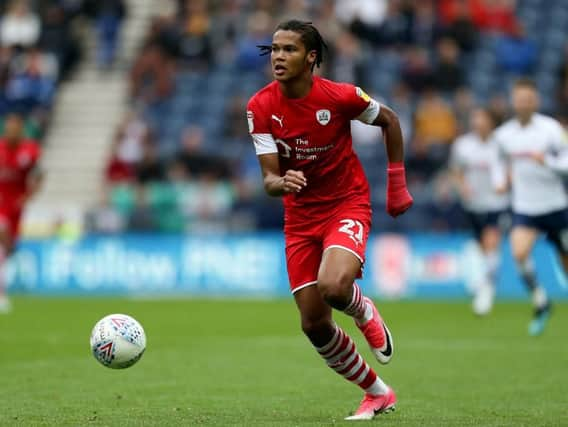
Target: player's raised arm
399, 199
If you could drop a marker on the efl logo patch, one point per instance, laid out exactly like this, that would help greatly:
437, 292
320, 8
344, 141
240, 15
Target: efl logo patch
250, 120
361, 94
323, 117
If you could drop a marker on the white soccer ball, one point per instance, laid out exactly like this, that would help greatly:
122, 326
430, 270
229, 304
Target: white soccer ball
118, 341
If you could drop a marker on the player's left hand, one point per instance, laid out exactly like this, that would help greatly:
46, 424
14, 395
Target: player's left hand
399, 199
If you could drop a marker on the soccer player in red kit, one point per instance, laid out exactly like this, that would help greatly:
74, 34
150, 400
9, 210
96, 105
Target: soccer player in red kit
300, 126
19, 179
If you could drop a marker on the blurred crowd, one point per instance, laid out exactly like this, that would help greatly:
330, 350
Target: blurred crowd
40, 47
181, 159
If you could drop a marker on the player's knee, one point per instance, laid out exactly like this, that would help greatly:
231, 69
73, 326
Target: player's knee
490, 240
335, 288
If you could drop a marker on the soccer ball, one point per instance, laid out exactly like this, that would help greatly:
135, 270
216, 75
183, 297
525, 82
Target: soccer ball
118, 341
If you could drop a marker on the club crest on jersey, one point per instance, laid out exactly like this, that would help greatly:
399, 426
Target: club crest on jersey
323, 117
250, 120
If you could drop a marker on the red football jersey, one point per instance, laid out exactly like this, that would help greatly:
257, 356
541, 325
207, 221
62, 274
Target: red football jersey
16, 162
313, 135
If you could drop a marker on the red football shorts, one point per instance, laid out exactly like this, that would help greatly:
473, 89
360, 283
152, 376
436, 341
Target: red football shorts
10, 222
346, 228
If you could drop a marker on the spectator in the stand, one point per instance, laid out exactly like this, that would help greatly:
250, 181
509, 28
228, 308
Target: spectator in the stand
118, 170
393, 30
294, 9
435, 122
515, 52
435, 128
132, 135
271, 7
448, 74
326, 20
150, 168
176, 173
229, 24
196, 41
142, 218
108, 16
370, 12
259, 32
424, 26
104, 218
416, 69
31, 85
152, 75
197, 162
459, 25
19, 26
496, 16
58, 39
207, 202
235, 126
6, 60
165, 33
44, 63
498, 106
449, 10
464, 104
347, 59
128, 148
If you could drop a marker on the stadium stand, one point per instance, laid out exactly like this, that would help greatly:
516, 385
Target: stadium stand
180, 159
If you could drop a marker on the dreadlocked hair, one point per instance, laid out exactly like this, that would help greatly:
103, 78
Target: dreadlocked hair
309, 34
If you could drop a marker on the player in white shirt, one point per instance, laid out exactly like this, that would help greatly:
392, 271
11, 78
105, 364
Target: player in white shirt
533, 151
470, 164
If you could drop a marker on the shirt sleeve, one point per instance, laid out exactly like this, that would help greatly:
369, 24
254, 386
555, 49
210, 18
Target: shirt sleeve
259, 129
358, 105
557, 159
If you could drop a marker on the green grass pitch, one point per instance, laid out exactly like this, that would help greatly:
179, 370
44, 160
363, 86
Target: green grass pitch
245, 363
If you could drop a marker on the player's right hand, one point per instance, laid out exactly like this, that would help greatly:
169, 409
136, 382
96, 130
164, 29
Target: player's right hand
293, 181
